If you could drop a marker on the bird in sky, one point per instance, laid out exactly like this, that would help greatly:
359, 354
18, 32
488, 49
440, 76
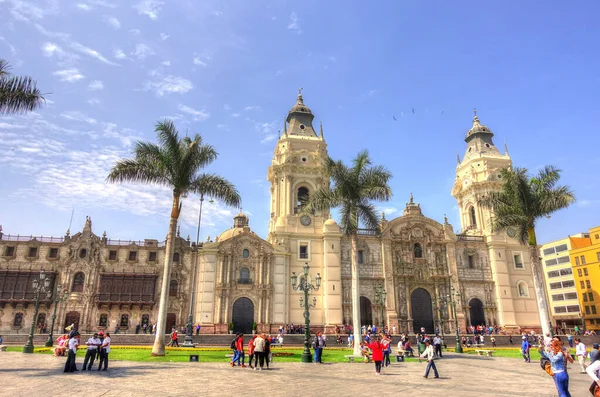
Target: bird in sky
394, 117
413, 111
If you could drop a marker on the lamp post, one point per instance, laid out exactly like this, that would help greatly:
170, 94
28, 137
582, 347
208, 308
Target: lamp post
380, 295
40, 285
439, 305
306, 287
61, 296
188, 341
452, 296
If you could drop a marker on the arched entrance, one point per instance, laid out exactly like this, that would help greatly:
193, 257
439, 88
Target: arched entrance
72, 318
422, 312
366, 311
243, 315
476, 312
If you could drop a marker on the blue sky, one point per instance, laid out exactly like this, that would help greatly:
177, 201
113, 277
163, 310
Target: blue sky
230, 70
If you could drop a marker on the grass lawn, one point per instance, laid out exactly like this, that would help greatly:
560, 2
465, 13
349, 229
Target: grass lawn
142, 353
208, 354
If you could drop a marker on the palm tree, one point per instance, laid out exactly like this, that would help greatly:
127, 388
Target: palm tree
173, 163
353, 190
521, 202
18, 94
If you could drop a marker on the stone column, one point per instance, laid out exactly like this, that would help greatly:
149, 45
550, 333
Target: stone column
408, 309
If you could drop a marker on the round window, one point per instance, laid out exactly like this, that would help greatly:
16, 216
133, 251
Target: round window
302, 126
304, 159
487, 145
245, 253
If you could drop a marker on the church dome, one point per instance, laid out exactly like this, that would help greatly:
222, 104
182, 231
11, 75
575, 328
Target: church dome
478, 127
229, 233
241, 224
330, 222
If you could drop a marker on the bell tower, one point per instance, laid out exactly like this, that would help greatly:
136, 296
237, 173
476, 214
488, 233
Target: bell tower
297, 170
477, 175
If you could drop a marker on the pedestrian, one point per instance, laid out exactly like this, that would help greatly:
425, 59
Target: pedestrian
267, 352
581, 354
570, 340
437, 343
594, 354
259, 349
510, 340
318, 345
525, 347
387, 349
174, 340
137, 329
0, 340
377, 354
593, 370
105, 349
93, 344
234, 346
557, 362
493, 340
197, 329
251, 351
239, 345
428, 354
70, 365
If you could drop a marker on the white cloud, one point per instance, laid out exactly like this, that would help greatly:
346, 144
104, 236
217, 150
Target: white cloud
199, 62
587, 202
226, 107
102, 3
13, 50
93, 101
78, 116
253, 107
199, 115
151, 8
96, 85
235, 115
166, 63
217, 13
222, 126
25, 11
114, 22
388, 210
294, 23
164, 36
267, 130
332, 59
64, 58
91, 52
142, 51
162, 85
69, 75
84, 7
119, 54
135, 32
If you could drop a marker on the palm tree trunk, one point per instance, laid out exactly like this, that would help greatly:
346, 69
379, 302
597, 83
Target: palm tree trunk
159, 340
355, 297
538, 283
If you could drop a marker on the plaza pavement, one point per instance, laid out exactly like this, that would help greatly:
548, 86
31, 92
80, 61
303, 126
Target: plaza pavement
461, 375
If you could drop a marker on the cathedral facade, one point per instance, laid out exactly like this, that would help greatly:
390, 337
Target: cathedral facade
426, 269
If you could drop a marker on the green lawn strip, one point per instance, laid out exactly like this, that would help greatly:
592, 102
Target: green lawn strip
142, 354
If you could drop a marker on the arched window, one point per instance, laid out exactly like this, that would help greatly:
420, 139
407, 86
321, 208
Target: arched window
173, 288
82, 253
103, 321
78, 281
302, 196
244, 276
124, 320
472, 216
41, 320
522, 288
18, 321
176, 257
245, 253
418, 252
146, 319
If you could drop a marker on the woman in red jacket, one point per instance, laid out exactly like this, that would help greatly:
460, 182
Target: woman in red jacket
251, 350
377, 350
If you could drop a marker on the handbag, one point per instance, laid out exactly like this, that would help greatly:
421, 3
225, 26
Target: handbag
595, 389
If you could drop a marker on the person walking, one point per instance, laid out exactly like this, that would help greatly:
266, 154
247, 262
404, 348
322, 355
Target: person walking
581, 354
437, 343
93, 344
429, 355
525, 347
570, 340
377, 354
251, 351
174, 340
387, 349
493, 340
70, 365
267, 352
239, 347
510, 340
105, 349
593, 370
259, 349
557, 362
234, 346
594, 354
318, 345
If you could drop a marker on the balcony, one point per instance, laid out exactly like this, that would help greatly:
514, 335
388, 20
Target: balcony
462, 237
244, 281
366, 232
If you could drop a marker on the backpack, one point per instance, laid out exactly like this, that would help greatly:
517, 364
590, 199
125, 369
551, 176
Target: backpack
233, 343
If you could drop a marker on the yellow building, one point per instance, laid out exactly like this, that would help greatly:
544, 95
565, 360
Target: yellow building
560, 284
585, 259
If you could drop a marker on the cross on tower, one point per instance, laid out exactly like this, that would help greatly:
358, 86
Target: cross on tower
300, 91
475, 112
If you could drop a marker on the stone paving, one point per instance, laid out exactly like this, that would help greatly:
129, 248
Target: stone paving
464, 375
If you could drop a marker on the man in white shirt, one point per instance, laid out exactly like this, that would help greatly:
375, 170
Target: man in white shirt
581, 354
437, 342
428, 354
90, 355
104, 350
593, 370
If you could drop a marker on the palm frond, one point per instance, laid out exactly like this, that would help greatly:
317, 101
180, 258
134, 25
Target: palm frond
19, 94
135, 171
212, 185
367, 215
4, 68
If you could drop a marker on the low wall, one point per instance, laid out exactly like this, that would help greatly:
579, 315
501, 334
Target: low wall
292, 339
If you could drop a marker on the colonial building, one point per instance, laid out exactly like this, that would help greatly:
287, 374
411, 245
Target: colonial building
422, 264
109, 283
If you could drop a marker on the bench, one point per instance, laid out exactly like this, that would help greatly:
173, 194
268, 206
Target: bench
276, 344
488, 353
229, 355
405, 353
351, 358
